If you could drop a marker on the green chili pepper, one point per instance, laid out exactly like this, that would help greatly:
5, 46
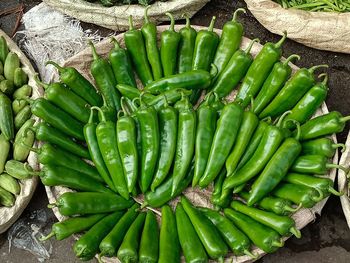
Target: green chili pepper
6, 198
191, 245
107, 141
23, 92
6, 117
20, 77
278, 76
62, 230
169, 246
87, 246
314, 164
230, 41
185, 142
168, 122
112, 241
162, 194
19, 170
11, 63
321, 146
48, 154
7, 87
235, 69
135, 45
249, 123
186, 47
277, 205
57, 118
326, 124
103, 74
238, 242
282, 224
126, 139
62, 176
149, 243
271, 139
262, 236
23, 141
220, 198
3, 49
149, 33
259, 70
218, 104
77, 83
170, 96
128, 250
274, 170
206, 231
206, 116
5, 150
18, 105
22, 117
132, 93
169, 43
121, 65
299, 194
149, 127
292, 92
69, 203
325, 185
224, 138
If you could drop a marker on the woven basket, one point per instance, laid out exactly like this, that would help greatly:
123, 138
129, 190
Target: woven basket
82, 63
8, 215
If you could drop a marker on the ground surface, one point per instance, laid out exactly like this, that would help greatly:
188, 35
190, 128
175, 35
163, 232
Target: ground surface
326, 240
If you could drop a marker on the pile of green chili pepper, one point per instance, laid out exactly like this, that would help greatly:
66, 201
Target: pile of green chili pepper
264, 153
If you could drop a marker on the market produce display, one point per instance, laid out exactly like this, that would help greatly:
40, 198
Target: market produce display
109, 3
117, 142
316, 5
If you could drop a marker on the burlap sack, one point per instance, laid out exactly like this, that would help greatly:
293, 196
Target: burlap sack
82, 62
116, 17
320, 30
8, 215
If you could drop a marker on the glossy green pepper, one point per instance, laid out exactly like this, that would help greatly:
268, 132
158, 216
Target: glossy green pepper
149, 243
321, 146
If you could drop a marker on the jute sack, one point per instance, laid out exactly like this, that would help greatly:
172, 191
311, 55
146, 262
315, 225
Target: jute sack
82, 62
116, 17
321, 30
8, 215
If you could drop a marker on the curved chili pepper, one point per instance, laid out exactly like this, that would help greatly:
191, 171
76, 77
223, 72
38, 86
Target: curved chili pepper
186, 47
107, 142
278, 76
169, 43
121, 65
220, 198
131, 93
73, 225
231, 37
299, 194
262, 236
103, 74
149, 243
170, 96
149, 33
314, 164
191, 245
185, 142
126, 140
206, 231
321, 146
224, 138
87, 245
259, 70
73, 203
136, 46
169, 246
111, 242
149, 128
274, 170
292, 92
326, 124
206, 123
128, 250
248, 125
282, 224
168, 122
238, 242
234, 71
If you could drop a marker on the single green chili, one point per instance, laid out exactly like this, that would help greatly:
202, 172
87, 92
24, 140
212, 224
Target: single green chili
321, 146
170, 96
220, 197
149, 243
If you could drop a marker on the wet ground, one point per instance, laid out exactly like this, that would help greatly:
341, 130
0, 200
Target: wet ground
325, 240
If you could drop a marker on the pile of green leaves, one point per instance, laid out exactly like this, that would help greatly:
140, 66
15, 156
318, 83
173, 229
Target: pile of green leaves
317, 5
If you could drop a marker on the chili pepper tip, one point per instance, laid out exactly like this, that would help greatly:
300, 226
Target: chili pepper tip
295, 232
239, 10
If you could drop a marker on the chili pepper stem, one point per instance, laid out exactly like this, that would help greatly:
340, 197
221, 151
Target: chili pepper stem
58, 67
36, 150
143, 205
116, 43
251, 44
100, 111
325, 80
188, 22
235, 14
335, 192
290, 58
250, 254
40, 83
345, 119
278, 244
291, 209
281, 41
312, 69
131, 24
336, 166
213, 71
212, 23
93, 49
295, 232
280, 120
78, 254
172, 21
318, 198
339, 145
51, 234
146, 14
53, 205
